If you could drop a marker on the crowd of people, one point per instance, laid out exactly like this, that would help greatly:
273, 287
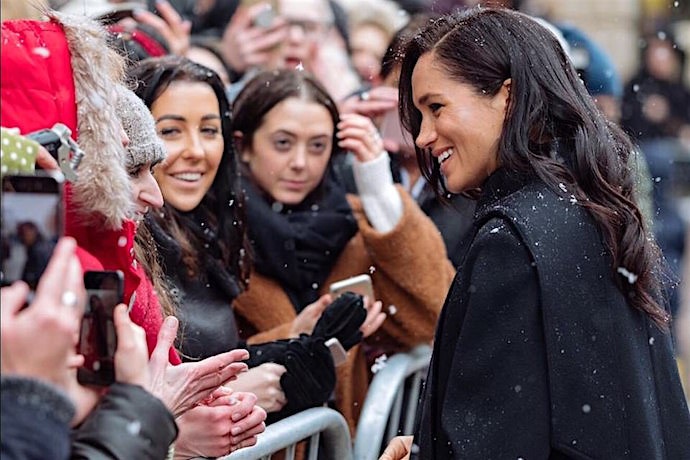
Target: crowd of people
513, 203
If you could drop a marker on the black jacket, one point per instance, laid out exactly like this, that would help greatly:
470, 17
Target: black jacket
35, 420
128, 423
537, 354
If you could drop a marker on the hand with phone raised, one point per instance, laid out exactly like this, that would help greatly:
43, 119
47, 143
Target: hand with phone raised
252, 36
38, 341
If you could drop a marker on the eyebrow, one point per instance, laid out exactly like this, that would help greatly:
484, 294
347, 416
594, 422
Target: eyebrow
170, 117
181, 118
290, 133
424, 99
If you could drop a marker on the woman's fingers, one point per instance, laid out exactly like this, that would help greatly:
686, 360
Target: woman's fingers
46, 161
375, 317
359, 135
166, 339
13, 298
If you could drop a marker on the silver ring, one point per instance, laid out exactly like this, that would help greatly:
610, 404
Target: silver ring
69, 299
364, 96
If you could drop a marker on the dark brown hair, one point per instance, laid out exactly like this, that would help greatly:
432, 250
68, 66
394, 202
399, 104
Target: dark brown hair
270, 88
483, 47
223, 205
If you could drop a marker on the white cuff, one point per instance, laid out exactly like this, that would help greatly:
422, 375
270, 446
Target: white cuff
380, 199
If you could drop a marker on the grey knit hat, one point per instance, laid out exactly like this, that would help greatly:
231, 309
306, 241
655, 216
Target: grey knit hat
144, 144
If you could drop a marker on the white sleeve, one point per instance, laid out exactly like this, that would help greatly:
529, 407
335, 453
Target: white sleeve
380, 199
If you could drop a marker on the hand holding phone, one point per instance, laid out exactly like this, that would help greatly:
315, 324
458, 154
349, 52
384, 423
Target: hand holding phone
264, 18
38, 341
98, 339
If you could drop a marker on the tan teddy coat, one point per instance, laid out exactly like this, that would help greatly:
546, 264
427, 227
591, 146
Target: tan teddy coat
410, 271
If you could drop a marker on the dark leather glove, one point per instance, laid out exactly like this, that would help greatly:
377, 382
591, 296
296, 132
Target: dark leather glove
342, 320
310, 377
269, 352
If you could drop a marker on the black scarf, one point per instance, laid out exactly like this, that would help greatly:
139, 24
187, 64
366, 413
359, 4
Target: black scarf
298, 245
212, 269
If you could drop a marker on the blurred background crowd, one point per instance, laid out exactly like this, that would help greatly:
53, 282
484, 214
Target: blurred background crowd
632, 56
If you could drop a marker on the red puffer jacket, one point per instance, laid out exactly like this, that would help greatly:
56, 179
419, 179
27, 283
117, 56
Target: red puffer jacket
62, 71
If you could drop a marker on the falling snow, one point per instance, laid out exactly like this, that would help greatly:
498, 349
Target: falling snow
379, 363
41, 51
627, 274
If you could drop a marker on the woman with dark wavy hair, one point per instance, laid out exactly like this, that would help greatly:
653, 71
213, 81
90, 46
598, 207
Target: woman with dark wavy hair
200, 237
553, 342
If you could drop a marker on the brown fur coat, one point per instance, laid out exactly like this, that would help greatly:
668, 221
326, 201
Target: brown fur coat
410, 271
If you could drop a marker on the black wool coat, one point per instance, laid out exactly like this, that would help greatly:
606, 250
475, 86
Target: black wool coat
537, 354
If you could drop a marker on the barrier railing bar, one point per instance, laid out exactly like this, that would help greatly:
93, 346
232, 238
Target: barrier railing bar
290, 452
383, 392
412, 400
314, 447
394, 417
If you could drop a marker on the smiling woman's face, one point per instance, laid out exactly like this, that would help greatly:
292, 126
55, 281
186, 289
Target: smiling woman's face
188, 121
460, 127
291, 149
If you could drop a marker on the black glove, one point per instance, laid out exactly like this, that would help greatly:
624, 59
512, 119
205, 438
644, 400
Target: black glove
269, 352
310, 377
342, 320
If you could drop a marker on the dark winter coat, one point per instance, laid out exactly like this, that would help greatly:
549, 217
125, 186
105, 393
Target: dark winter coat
35, 420
453, 219
537, 354
128, 423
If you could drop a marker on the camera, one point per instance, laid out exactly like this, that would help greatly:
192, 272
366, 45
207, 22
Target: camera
59, 143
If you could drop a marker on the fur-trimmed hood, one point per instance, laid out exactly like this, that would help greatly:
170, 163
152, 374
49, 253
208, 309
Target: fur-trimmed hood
63, 71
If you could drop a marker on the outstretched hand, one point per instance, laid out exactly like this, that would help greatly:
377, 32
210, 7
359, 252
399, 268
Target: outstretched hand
247, 417
183, 386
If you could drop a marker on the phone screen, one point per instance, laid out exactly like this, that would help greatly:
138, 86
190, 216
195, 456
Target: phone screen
97, 339
31, 225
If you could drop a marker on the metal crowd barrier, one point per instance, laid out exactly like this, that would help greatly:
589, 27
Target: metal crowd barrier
324, 428
391, 403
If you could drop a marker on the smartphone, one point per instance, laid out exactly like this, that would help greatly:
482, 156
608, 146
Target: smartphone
360, 284
97, 337
266, 16
32, 223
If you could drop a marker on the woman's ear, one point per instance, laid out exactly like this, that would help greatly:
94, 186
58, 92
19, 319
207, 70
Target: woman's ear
505, 93
501, 100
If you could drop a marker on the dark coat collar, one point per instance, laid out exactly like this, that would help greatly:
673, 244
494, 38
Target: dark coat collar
500, 184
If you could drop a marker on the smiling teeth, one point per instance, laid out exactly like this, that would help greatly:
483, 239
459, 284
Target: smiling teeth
444, 156
188, 176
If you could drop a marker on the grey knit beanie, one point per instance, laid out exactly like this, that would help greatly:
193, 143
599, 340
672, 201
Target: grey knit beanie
144, 144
